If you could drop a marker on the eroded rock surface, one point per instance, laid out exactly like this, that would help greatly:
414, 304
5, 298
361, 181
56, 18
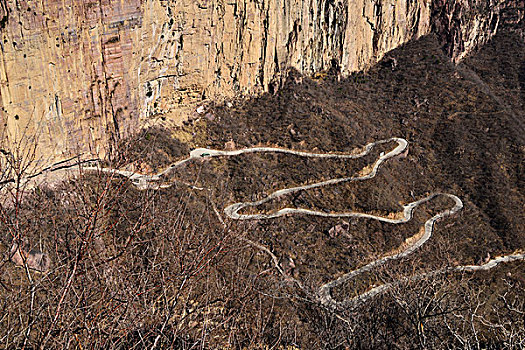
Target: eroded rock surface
463, 25
79, 75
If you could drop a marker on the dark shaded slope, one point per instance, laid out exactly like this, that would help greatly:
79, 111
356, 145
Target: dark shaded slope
464, 124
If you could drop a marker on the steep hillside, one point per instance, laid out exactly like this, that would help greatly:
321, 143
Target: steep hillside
167, 267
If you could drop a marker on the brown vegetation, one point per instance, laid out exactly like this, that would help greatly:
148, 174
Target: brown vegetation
163, 269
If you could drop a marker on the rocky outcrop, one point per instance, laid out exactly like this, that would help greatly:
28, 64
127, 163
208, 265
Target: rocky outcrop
464, 25
78, 75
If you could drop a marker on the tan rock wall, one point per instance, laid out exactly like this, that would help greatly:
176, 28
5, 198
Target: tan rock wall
80, 74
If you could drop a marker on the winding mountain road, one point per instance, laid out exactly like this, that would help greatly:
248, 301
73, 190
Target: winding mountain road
155, 181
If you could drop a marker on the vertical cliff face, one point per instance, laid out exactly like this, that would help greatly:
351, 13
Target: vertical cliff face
68, 73
78, 75
463, 25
